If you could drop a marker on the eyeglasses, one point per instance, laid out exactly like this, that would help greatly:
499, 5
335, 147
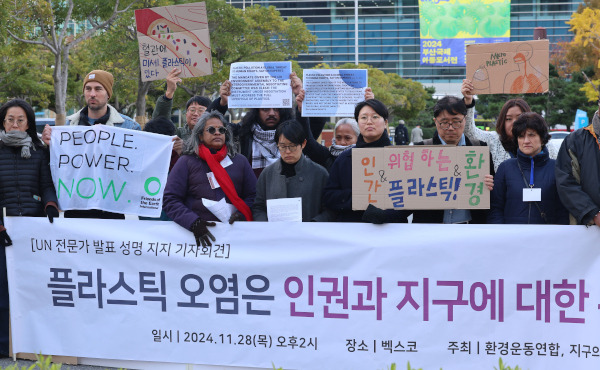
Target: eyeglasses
194, 110
287, 148
455, 123
373, 118
212, 130
11, 121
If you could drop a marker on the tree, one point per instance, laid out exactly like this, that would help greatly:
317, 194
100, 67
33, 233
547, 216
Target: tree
48, 23
583, 52
25, 74
256, 34
404, 98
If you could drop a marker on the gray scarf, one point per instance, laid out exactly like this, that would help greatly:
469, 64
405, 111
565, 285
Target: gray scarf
18, 138
596, 123
336, 150
264, 147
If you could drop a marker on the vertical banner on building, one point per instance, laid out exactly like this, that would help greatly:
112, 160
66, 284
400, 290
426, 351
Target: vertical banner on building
447, 26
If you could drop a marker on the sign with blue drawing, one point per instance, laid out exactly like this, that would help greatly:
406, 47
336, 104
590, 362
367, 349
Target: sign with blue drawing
333, 92
260, 85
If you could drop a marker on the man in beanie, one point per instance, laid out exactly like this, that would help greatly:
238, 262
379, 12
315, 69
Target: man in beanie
195, 107
97, 90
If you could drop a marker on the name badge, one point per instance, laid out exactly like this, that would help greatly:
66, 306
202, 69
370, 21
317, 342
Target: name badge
212, 181
532, 195
226, 161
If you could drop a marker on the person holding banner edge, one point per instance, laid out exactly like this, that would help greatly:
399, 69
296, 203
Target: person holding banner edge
26, 187
209, 169
372, 117
97, 91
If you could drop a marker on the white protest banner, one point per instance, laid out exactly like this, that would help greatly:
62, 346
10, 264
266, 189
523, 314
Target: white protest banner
109, 168
260, 85
307, 295
421, 177
333, 92
173, 36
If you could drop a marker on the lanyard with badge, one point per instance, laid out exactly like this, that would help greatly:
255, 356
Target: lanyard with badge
531, 193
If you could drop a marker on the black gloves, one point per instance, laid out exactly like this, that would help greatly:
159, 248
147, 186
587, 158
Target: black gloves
236, 216
200, 230
374, 215
4, 238
51, 212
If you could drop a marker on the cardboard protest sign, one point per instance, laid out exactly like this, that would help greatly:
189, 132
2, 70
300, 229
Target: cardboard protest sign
109, 168
173, 36
509, 67
333, 92
260, 85
420, 177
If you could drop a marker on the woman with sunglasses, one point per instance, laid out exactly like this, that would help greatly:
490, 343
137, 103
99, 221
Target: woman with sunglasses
209, 169
292, 176
26, 187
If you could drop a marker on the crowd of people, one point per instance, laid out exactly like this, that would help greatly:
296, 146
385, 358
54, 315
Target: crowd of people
273, 154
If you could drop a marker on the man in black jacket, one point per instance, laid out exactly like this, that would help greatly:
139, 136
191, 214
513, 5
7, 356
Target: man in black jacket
401, 134
577, 173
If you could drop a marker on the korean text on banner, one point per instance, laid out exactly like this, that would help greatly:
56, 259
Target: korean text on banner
333, 92
519, 67
260, 85
333, 296
109, 168
448, 26
420, 177
173, 36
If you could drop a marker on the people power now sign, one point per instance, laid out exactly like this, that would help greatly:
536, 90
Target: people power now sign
109, 168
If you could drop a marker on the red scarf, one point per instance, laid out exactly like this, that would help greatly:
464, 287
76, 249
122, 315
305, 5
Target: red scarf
214, 162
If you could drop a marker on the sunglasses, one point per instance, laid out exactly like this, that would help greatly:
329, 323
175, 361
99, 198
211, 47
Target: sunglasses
212, 130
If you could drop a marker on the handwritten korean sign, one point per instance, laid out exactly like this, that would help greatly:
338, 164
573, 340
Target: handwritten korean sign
173, 36
420, 177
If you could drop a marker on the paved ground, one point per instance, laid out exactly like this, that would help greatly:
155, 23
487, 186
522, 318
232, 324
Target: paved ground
4, 362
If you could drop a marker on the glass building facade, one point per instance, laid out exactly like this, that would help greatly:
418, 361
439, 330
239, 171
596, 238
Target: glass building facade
388, 33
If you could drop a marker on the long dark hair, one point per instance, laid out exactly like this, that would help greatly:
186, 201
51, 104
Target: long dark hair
29, 113
506, 141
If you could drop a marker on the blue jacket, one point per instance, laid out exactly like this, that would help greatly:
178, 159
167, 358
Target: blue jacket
506, 203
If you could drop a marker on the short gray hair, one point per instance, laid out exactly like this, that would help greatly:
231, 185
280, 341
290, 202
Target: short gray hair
347, 121
192, 144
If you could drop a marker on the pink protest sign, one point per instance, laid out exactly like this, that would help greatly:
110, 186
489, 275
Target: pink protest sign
173, 37
420, 177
